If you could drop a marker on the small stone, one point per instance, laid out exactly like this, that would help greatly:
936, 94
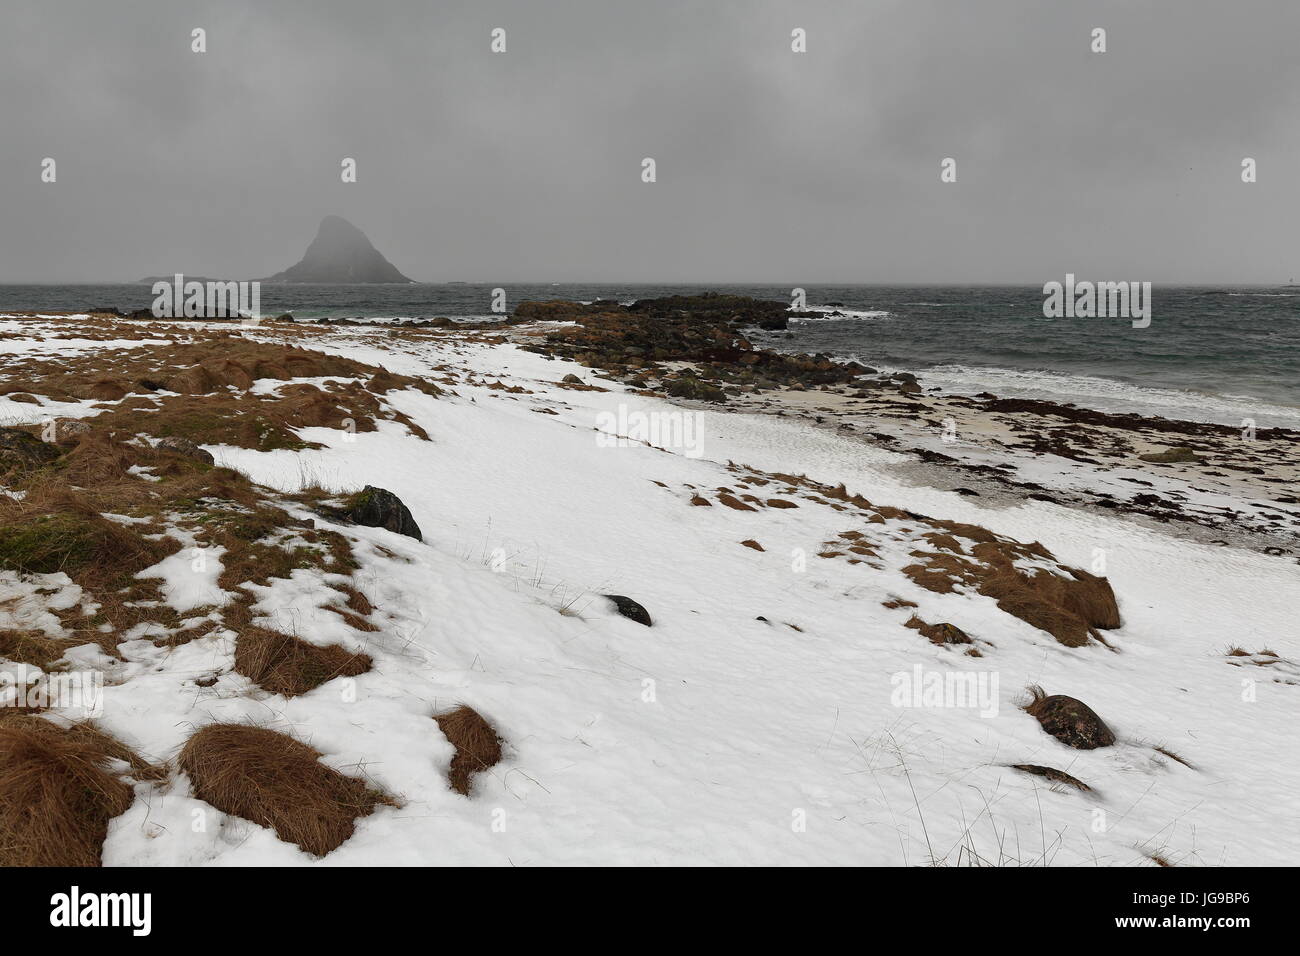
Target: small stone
630, 609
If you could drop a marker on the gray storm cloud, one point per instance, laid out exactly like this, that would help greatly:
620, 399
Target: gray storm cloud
772, 166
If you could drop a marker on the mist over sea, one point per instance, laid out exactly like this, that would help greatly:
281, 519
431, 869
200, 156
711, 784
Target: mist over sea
1213, 354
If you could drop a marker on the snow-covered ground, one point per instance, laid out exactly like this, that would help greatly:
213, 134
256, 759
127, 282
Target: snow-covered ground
714, 737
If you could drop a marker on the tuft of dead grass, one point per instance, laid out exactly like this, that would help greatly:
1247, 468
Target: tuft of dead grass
1173, 756
734, 503
477, 745
1071, 605
34, 648
58, 790
287, 665
279, 783
88, 547
1052, 774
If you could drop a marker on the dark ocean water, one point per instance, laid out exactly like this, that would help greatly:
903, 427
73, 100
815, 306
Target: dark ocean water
1210, 353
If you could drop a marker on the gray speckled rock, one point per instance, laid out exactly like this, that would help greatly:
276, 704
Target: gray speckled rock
183, 446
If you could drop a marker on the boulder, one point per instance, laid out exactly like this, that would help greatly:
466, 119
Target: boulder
690, 387
378, 508
630, 609
186, 448
67, 430
1070, 721
943, 633
946, 633
1174, 456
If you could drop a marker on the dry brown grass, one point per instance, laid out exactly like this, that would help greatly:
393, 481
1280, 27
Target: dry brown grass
731, 501
287, 665
32, 647
219, 360
354, 621
357, 601
1173, 756
477, 745
1071, 605
277, 782
220, 367
73, 538
944, 542
939, 634
58, 526
97, 460
257, 561
59, 789
358, 608
1052, 774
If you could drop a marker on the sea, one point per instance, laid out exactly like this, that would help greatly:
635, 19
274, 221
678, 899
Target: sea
1225, 354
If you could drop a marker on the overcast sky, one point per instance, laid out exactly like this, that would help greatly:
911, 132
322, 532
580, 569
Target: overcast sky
772, 166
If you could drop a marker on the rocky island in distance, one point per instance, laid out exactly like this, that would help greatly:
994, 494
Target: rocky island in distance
341, 254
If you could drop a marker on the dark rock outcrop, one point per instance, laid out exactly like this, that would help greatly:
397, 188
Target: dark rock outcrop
633, 343
378, 508
340, 253
688, 386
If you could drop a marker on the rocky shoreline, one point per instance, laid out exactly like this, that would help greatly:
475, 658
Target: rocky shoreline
1211, 482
